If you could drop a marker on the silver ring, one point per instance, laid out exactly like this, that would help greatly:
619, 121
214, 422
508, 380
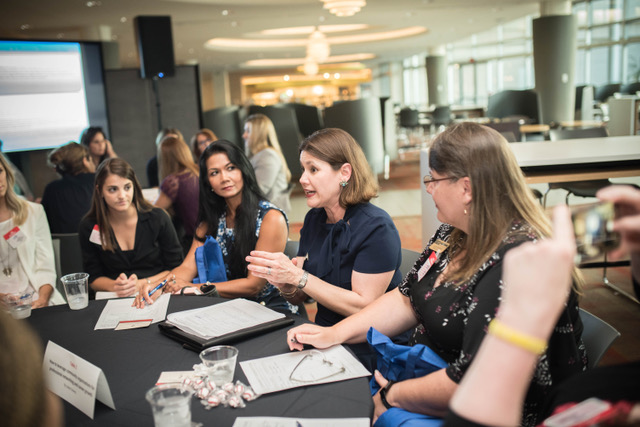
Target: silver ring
268, 271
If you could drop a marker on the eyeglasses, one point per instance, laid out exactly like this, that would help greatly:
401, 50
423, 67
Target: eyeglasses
428, 179
315, 367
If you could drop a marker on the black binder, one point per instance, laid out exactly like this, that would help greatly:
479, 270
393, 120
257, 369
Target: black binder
195, 343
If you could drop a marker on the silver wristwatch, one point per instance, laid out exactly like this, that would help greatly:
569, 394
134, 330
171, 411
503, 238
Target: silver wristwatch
303, 280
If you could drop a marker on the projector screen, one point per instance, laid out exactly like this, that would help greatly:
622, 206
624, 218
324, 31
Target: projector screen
49, 92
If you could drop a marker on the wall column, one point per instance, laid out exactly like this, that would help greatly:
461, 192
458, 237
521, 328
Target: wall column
437, 77
554, 53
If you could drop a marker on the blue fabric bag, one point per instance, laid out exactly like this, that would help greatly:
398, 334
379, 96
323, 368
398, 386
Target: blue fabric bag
210, 263
400, 362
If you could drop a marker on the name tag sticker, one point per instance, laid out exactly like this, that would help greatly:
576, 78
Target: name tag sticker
439, 246
95, 235
15, 237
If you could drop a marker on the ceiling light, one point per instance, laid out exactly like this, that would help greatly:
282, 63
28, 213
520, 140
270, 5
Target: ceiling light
310, 68
344, 7
292, 62
318, 49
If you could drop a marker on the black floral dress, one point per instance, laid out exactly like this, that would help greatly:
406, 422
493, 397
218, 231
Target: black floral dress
453, 318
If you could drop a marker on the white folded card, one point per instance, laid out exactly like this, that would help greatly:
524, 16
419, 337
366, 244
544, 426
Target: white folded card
297, 422
75, 380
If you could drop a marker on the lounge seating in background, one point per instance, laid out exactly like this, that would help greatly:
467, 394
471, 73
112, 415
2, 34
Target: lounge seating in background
362, 119
514, 104
225, 123
630, 88
604, 92
309, 117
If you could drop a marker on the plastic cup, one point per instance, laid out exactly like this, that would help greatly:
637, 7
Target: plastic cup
19, 304
171, 405
76, 286
220, 362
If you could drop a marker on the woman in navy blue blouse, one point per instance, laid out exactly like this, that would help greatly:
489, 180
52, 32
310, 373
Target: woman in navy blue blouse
349, 251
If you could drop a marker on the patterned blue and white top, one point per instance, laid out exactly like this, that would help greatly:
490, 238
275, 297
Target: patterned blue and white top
225, 237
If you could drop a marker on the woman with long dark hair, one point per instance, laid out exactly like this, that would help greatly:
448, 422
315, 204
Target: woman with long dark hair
99, 146
234, 212
126, 242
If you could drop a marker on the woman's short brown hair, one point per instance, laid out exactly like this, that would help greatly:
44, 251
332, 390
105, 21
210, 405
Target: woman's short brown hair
337, 147
68, 159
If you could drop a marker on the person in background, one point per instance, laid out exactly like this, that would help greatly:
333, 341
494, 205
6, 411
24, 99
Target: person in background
125, 241
236, 214
453, 291
26, 251
24, 398
179, 186
21, 187
100, 148
200, 141
68, 199
152, 165
263, 148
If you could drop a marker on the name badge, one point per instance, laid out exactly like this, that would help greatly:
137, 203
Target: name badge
95, 235
437, 247
15, 237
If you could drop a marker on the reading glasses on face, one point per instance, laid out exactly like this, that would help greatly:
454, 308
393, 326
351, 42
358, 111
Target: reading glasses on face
428, 179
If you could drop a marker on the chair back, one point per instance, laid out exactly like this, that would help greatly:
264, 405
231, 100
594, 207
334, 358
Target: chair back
510, 129
67, 256
409, 258
560, 134
409, 117
441, 115
604, 92
630, 88
225, 123
514, 103
291, 250
309, 117
597, 336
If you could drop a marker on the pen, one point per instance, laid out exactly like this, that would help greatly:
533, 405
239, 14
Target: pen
160, 285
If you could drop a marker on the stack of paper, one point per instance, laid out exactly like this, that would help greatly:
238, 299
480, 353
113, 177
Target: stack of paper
224, 318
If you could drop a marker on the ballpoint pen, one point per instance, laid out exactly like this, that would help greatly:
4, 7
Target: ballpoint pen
159, 286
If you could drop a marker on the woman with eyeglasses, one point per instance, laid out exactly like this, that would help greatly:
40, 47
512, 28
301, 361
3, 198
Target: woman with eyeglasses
453, 291
68, 199
201, 140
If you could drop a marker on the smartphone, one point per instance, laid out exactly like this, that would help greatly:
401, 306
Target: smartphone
593, 227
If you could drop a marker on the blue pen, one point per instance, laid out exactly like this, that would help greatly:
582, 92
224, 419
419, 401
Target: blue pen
160, 285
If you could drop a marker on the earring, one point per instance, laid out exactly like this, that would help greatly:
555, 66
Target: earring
343, 183
465, 212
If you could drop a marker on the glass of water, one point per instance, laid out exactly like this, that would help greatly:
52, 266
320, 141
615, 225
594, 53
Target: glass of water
220, 362
171, 405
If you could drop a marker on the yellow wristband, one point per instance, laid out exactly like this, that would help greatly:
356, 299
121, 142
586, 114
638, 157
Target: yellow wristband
519, 339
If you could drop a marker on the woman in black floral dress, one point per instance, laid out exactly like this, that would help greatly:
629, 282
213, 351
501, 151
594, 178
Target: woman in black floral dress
453, 290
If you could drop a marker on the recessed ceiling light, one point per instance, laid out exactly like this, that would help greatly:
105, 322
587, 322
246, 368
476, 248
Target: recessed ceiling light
123, 19
94, 3
234, 23
225, 12
25, 26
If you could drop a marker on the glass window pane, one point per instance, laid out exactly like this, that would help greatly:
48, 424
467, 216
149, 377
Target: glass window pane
482, 95
599, 66
633, 62
580, 78
616, 64
580, 11
514, 74
632, 29
454, 83
632, 9
605, 11
468, 84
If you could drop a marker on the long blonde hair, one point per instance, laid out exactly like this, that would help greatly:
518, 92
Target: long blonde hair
262, 136
499, 192
174, 157
18, 206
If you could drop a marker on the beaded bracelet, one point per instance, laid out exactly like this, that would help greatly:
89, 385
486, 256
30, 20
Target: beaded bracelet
517, 338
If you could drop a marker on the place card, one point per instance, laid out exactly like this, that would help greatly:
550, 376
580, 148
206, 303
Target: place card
75, 380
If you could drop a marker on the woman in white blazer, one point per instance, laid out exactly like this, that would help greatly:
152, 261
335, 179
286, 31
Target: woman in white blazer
26, 251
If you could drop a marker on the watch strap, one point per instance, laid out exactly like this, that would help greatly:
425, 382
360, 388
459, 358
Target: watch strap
303, 279
383, 394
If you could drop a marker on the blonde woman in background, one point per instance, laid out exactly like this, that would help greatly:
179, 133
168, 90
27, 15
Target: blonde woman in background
201, 140
265, 154
179, 185
152, 165
26, 258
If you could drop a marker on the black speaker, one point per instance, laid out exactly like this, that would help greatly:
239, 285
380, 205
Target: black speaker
155, 46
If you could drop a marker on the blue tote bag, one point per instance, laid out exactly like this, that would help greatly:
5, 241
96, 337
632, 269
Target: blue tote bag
210, 263
400, 362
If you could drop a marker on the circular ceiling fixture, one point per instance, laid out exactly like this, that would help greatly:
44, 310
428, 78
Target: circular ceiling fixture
344, 7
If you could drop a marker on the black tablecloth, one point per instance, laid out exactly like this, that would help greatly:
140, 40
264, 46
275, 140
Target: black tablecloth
132, 361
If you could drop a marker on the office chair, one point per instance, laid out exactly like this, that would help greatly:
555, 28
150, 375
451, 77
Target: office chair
597, 336
510, 129
441, 116
67, 257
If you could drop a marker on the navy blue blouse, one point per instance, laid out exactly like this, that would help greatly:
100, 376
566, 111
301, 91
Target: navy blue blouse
365, 240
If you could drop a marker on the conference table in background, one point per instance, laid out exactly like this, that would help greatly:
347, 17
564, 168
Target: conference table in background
132, 361
556, 161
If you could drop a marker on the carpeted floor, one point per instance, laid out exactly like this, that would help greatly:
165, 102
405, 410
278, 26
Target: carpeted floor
613, 308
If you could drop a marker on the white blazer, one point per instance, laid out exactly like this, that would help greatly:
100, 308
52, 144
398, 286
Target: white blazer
36, 253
